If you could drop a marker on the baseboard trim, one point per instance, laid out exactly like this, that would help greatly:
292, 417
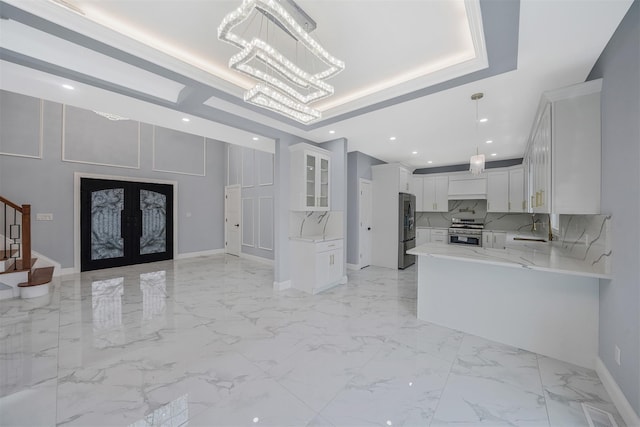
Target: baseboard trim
353, 266
622, 404
197, 254
65, 271
256, 258
281, 286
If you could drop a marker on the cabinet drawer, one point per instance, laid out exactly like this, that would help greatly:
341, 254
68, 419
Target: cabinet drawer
439, 233
329, 246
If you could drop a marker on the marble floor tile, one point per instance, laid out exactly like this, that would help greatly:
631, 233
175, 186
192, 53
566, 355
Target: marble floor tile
208, 342
566, 387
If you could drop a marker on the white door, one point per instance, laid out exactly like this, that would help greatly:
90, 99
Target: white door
232, 221
366, 208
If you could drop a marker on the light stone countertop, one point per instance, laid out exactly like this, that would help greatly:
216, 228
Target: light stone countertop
518, 254
315, 239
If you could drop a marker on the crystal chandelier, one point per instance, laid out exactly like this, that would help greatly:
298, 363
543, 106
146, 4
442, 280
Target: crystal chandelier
280, 92
476, 164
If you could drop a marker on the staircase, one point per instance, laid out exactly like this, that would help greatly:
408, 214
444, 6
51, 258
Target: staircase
19, 276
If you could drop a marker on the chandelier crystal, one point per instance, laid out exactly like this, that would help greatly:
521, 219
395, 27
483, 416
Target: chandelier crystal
476, 164
281, 92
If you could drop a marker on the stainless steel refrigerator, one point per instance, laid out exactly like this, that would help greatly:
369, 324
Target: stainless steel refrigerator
406, 230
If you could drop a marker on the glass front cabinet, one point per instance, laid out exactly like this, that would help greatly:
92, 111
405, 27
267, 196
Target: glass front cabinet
310, 172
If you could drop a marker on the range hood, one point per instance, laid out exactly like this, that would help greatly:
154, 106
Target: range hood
467, 188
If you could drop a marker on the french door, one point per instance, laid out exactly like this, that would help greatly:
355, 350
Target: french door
124, 223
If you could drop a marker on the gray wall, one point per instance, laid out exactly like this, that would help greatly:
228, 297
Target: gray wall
48, 185
619, 66
359, 166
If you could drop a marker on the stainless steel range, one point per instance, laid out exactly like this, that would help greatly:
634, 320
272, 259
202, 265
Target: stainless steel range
465, 232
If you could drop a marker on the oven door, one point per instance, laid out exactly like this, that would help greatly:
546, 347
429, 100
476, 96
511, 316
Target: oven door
466, 239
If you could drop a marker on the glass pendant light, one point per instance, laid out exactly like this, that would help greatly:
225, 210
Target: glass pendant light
476, 164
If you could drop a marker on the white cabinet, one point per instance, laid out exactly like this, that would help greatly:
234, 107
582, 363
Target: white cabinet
564, 152
435, 194
388, 181
431, 235
317, 266
310, 174
423, 235
467, 187
498, 191
517, 201
404, 186
494, 239
505, 190
438, 235
416, 187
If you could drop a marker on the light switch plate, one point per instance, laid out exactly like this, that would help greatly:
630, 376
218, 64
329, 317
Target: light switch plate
44, 217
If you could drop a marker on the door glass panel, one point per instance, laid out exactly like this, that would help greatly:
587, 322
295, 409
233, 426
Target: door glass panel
153, 207
311, 180
324, 183
106, 223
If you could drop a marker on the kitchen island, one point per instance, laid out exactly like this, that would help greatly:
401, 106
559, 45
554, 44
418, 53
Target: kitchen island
534, 296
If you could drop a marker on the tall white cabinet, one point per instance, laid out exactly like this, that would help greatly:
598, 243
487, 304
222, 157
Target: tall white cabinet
388, 181
564, 152
310, 175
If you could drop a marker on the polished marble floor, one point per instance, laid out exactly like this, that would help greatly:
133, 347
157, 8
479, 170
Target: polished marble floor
207, 342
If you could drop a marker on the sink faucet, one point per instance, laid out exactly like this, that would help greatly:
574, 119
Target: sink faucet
533, 222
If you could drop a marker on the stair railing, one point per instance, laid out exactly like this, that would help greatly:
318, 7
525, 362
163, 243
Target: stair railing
16, 232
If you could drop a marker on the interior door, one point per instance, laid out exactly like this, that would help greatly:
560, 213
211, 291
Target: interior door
365, 208
232, 212
124, 223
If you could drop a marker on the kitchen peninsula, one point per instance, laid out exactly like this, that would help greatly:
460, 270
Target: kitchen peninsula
539, 297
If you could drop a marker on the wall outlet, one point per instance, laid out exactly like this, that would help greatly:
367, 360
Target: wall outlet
44, 217
616, 354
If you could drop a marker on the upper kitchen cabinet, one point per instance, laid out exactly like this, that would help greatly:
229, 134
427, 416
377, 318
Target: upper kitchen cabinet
563, 156
498, 191
435, 195
505, 190
310, 172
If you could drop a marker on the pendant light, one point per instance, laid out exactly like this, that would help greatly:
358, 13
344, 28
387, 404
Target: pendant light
476, 164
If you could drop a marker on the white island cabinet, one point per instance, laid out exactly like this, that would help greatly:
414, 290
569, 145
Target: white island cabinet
316, 265
310, 172
534, 297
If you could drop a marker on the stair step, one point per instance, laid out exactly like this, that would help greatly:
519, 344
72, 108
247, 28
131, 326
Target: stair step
6, 254
39, 276
20, 266
4, 287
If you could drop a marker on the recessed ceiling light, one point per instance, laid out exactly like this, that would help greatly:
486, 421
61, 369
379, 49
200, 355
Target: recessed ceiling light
430, 161
494, 154
414, 152
186, 119
484, 120
332, 131
255, 138
393, 138
489, 141
68, 86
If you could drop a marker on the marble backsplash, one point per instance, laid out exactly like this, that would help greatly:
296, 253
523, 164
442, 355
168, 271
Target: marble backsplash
307, 224
477, 209
586, 237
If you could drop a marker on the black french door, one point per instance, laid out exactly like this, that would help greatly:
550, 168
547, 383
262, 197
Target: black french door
124, 223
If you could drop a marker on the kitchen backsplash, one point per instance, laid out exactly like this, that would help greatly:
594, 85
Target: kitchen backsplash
477, 209
586, 237
306, 224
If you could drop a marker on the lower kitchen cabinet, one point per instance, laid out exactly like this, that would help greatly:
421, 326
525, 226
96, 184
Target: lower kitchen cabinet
494, 239
439, 235
317, 266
